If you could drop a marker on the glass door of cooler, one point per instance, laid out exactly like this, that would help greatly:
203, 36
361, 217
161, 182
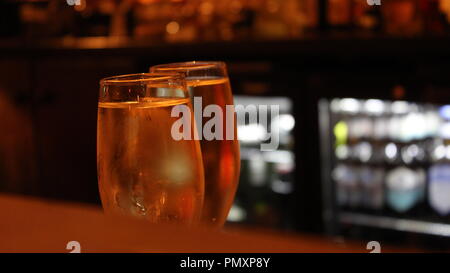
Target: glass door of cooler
266, 183
385, 165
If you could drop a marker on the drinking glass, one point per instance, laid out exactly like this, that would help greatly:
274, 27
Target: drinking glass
209, 82
142, 169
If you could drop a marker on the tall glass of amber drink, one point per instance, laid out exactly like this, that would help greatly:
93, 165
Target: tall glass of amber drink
209, 82
142, 170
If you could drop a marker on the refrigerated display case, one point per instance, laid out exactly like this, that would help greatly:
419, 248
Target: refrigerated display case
266, 183
385, 165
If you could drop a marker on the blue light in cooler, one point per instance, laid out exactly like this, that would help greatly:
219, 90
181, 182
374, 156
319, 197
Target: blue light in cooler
391, 151
444, 111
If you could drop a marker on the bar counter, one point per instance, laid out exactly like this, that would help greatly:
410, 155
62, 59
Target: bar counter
38, 225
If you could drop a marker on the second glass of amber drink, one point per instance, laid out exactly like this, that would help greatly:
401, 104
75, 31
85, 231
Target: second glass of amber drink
142, 170
221, 159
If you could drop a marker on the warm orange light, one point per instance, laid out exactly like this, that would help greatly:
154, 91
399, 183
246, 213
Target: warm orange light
173, 27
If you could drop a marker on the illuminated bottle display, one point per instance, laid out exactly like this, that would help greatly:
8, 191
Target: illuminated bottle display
439, 172
439, 188
405, 188
391, 158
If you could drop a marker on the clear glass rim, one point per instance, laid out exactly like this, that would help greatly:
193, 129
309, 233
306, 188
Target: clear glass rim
187, 66
143, 78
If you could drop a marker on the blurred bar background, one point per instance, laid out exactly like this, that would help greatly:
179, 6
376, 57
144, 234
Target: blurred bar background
363, 93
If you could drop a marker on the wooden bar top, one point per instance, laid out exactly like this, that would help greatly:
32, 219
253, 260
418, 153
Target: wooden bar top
35, 225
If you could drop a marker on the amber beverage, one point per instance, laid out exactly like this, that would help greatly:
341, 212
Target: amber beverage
221, 159
142, 170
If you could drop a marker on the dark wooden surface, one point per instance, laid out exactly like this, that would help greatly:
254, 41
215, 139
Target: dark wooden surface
34, 225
